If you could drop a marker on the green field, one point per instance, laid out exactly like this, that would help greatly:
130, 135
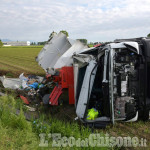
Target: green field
19, 59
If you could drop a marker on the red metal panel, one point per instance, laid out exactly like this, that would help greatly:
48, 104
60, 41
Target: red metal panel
71, 95
64, 77
65, 80
70, 77
57, 91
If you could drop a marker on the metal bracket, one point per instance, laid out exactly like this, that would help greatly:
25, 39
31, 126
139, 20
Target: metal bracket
105, 67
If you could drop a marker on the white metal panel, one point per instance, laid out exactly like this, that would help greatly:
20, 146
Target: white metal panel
66, 59
86, 90
52, 51
121, 45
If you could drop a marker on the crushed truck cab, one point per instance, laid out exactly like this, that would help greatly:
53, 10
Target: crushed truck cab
113, 79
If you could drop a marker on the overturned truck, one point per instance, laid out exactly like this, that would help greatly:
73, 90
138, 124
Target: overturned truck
109, 82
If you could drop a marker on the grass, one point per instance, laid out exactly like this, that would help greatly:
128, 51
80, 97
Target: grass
18, 133
20, 59
90, 45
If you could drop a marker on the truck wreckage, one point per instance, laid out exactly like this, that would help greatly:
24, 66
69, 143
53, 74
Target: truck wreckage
114, 79
106, 83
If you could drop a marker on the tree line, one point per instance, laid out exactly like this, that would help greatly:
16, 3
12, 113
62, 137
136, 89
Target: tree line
85, 41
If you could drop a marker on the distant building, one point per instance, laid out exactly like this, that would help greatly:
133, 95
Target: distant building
16, 43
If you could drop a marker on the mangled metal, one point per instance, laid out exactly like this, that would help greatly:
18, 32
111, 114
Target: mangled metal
86, 89
53, 50
114, 92
58, 52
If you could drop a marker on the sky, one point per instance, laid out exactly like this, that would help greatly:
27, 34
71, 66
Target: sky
94, 20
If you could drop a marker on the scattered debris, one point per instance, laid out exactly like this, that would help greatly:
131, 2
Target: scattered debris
30, 89
25, 100
31, 108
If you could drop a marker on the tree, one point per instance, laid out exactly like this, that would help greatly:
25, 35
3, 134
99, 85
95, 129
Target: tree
33, 43
83, 41
42, 43
148, 35
1, 44
65, 32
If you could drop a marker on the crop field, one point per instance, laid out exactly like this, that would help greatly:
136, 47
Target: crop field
18, 133
15, 60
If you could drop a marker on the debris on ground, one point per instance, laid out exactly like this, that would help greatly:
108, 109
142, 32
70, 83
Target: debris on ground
31, 108
31, 88
12, 83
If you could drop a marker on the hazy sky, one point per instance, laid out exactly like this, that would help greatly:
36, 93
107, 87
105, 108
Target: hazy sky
95, 20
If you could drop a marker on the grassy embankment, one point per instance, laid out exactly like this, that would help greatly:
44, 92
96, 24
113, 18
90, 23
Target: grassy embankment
18, 133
